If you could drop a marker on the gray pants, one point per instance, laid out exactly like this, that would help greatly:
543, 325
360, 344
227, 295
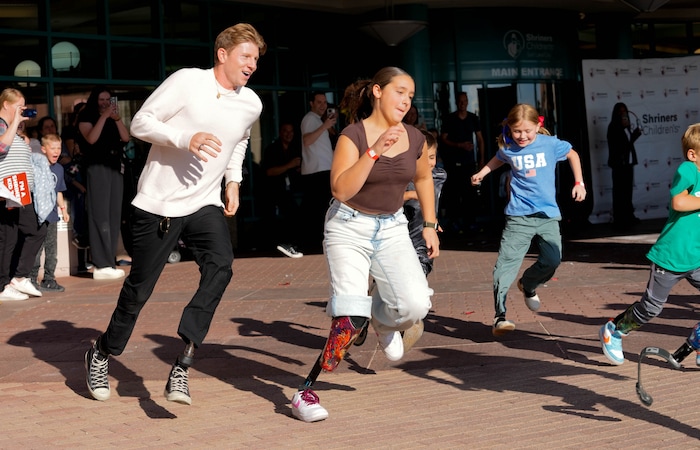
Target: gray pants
515, 242
661, 281
50, 248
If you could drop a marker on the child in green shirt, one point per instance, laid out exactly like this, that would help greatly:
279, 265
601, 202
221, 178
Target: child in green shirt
675, 255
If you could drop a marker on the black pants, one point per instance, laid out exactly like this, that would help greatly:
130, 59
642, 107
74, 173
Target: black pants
30, 238
314, 204
623, 189
459, 196
9, 218
206, 234
105, 190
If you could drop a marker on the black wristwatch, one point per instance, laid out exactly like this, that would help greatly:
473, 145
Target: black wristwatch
430, 225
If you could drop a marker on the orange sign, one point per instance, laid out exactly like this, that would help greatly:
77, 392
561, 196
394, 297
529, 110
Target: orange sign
17, 184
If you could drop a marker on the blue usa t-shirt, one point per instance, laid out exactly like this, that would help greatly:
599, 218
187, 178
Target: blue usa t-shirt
533, 175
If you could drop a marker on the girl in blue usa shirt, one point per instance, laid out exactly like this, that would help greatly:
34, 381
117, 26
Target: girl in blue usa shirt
532, 210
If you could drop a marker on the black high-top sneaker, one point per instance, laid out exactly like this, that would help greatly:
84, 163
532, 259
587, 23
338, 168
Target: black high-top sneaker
177, 389
96, 365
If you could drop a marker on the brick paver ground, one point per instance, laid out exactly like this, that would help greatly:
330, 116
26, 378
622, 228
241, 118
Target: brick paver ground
545, 385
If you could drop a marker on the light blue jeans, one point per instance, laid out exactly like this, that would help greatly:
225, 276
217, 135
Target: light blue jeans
358, 245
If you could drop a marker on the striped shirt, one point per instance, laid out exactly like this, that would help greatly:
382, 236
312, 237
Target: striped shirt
16, 158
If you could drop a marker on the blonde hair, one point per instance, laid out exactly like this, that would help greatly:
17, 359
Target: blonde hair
517, 114
238, 34
691, 139
49, 138
10, 95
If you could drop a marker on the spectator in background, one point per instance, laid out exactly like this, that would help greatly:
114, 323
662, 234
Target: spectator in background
15, 158
282, 162
414, 118
462, 154
20, 233
316, 159
76, 184
105, 135
622, 157
54, 202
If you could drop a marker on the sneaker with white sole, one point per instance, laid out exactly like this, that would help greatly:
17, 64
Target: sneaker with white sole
177, 389
532, 300
25, 286
391, 344
611, 341
290, 251
10, 294
107, 273
411, 336
501, 326
305, 406
96, 366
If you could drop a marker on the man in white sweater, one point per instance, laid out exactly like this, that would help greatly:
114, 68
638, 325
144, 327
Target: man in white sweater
198, 122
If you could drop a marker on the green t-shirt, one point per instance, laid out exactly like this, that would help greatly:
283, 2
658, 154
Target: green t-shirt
678, 246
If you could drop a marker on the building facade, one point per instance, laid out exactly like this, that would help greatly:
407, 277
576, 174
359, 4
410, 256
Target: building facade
55, 51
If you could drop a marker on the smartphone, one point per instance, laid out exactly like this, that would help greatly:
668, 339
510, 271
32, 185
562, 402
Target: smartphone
113, 102
330, 112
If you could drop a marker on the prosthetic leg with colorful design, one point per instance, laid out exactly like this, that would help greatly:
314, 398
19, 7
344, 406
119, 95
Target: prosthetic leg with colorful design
344, 331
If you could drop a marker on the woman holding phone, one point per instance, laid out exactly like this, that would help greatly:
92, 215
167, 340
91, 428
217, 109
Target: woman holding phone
105, 136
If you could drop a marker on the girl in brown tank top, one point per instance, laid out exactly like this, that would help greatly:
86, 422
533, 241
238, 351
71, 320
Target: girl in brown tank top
366, 233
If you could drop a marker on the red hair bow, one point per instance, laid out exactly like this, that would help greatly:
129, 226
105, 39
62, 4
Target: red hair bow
540, 120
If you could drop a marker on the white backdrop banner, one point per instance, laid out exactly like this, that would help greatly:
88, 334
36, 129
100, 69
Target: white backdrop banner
663, 98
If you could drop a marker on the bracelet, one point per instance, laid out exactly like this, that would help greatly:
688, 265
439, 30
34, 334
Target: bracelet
430, 225
580, 183
372, 154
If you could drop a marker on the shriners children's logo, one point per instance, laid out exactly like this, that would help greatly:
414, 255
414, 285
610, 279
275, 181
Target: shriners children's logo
514, 43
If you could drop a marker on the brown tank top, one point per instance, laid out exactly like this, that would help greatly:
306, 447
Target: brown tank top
383, 191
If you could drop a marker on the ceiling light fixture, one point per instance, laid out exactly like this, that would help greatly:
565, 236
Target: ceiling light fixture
645, 5
392, 31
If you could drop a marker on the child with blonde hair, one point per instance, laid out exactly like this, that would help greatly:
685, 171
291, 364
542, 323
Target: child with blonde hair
50, 207
675, 255
532, 210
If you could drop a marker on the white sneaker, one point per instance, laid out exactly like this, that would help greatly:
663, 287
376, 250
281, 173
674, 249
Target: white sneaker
25, 286
392, 345
107, 273
11, 294
290, 251
305, 406
532, 300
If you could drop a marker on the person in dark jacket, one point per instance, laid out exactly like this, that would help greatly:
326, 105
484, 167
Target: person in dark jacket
622, 157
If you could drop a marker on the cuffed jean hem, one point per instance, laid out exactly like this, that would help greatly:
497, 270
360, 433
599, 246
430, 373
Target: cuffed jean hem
358, 245
350, 305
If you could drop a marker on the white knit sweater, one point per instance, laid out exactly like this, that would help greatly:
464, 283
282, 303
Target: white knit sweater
174, 182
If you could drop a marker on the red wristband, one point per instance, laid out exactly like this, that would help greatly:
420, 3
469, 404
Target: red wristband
371, 153
579, 183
